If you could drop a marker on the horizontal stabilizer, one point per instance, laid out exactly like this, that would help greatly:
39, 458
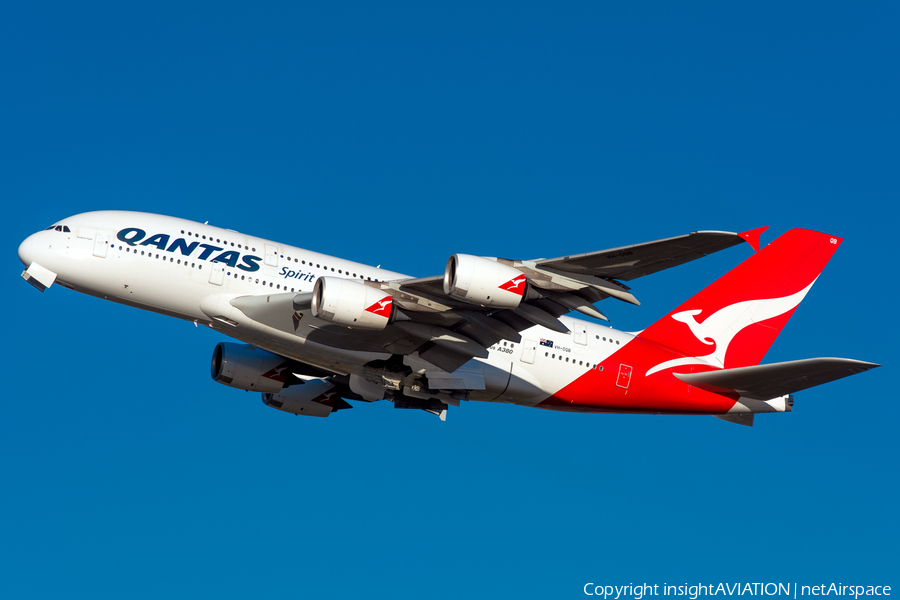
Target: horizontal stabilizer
763, 382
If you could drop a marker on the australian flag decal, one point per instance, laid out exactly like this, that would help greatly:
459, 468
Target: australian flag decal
548, 343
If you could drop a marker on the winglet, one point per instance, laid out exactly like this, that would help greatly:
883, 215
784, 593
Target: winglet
752, 237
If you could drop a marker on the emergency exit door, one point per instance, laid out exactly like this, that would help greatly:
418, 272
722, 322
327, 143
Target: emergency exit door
529, 349
217, 275
624, 377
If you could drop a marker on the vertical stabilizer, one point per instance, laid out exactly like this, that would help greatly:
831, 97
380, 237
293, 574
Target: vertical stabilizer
733, 322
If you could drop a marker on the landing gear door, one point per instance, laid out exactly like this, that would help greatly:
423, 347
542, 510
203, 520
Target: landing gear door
529, 349
101, 245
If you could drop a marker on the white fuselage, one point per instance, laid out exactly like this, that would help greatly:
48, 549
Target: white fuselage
190, 271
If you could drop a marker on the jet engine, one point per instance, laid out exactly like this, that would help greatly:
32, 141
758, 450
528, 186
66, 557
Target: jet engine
484, 281
350, 303
248, 368
315, 398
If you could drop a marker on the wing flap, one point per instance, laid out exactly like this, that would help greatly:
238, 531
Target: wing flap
763, 382
444, 358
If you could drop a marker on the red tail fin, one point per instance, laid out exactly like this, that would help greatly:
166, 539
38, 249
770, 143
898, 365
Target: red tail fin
733, 322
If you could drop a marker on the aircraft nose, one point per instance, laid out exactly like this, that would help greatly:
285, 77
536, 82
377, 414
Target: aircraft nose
27, 250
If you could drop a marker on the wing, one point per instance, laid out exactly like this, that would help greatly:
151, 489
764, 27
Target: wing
630, 262
448, 322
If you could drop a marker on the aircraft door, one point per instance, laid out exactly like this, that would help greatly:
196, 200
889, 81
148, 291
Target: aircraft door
579, 333
271, 255
529, 349
624, 377
101, 245
217, 275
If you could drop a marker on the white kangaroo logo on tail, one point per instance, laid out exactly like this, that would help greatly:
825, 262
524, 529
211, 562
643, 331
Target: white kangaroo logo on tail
722, 326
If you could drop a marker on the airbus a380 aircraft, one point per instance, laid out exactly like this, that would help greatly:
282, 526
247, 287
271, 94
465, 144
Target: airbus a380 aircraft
319, 330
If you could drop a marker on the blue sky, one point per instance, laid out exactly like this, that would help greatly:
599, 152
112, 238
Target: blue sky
399, 134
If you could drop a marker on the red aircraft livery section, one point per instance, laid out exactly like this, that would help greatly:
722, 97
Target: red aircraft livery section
317, 330
382, 307
731, 323
516, 286
734, 321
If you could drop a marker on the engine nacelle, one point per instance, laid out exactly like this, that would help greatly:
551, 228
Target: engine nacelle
248, 368
484, 281
350, 303
315, 398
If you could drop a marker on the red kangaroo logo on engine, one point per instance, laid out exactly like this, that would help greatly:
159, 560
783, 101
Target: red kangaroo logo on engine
516, 286
382, 307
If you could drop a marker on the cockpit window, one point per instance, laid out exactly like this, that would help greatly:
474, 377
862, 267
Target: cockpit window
60, 228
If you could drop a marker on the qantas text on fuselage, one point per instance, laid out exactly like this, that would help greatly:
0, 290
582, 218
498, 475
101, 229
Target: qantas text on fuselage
314, 331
